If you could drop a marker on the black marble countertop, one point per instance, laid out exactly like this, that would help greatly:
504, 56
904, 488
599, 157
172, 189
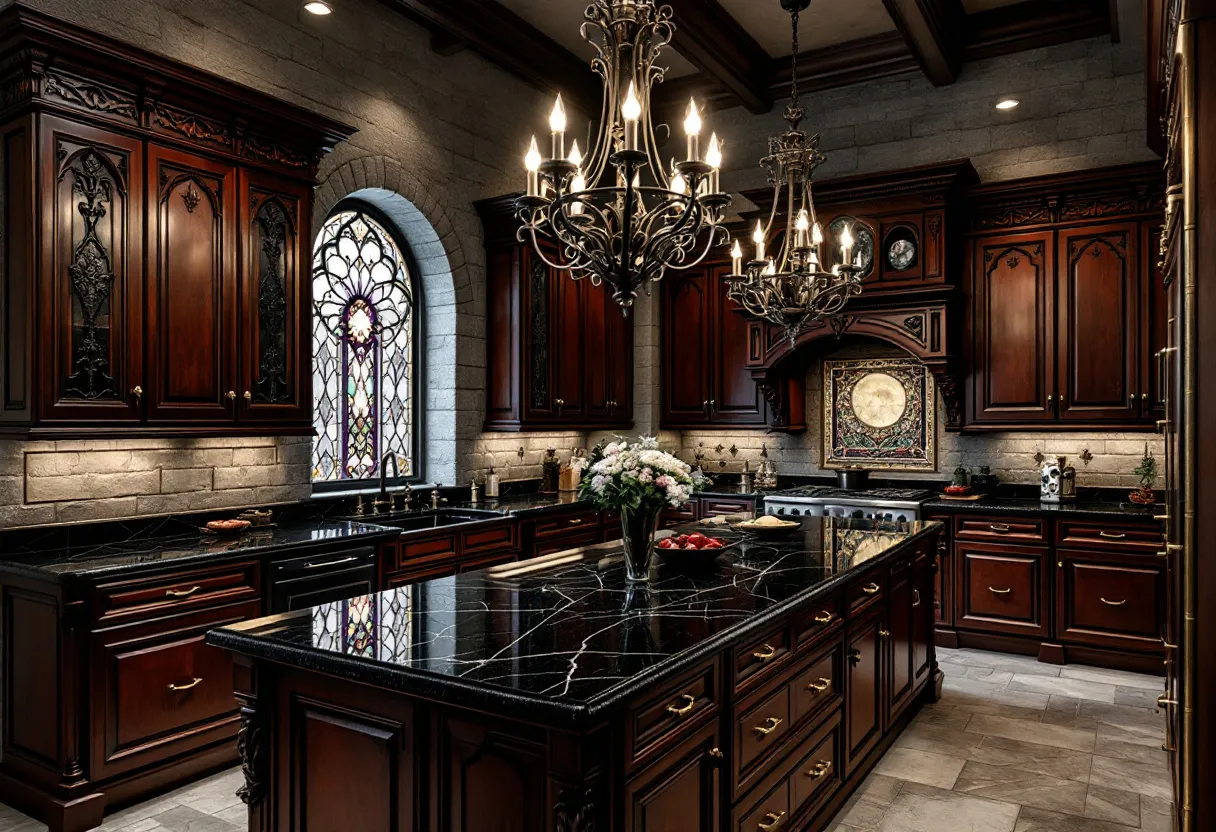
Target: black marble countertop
1030, 506
563, 638
149, 551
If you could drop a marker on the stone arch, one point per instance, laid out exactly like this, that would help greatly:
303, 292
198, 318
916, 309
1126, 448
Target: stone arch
427, 229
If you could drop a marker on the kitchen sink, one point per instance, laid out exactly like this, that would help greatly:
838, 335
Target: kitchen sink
417, 521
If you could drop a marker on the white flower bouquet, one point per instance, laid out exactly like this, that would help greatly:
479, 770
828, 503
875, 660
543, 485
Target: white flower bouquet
636, 477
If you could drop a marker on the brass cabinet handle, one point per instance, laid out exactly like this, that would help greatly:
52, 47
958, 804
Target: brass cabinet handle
765, 653
870, 589
1110, 536
182, 593
1163, 701
824, 617
576, 521
716, 753
996, 591
187, 686
884, 633
854, 657
1144, 397
1050, 398
771, 821
1000, 528
1161, 517
820, 686
821, 768
916, 598
1113, 603
231, 395
690, 702
137, 392
770, 725
248, 396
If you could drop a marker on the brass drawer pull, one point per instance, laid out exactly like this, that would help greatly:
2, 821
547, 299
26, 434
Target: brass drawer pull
821, 768
187, 686
716, 753
870, 589
765, 653
1000, 528
330, 563
1110, 536
916, 598
771, 821
820, 686
996, 591
770, 725
182, 593
690, 702
1113, 603
576, 521
1163, 701
884, 633
824, 617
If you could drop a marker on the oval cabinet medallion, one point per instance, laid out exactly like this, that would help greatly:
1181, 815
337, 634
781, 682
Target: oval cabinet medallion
879, 400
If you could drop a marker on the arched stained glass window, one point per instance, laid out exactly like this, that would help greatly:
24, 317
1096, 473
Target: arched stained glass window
364, 330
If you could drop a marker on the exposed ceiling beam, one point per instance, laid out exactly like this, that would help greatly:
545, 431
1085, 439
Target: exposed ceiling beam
931, 29
713, 41
1032, 24
495, 32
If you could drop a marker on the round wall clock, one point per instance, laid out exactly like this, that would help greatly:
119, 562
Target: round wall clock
863, 241
901, 254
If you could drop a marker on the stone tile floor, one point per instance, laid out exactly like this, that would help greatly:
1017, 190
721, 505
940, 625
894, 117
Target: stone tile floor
1013, 746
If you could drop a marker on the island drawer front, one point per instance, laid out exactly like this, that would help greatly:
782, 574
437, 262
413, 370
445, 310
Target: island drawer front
819, 686
160, 690
769, 814
1013, 529
759, 732
663, 719
722, 507
758, 658
142, 598
817, 774
566, 523
1001, 588
690, 512
822, 619
495, 538
1109, 604
412, 552
1143, 538
569, 541
867, 590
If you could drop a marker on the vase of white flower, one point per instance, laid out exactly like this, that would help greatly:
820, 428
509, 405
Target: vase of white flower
638, 480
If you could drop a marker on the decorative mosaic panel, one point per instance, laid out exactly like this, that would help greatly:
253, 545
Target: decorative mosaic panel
879, 413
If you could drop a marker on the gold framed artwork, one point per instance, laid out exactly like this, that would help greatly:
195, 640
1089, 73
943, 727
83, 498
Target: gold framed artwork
879, 413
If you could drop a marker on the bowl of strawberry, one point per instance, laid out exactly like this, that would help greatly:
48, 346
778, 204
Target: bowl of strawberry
689, 550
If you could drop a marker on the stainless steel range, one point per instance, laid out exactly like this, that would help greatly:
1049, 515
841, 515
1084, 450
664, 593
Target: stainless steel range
900, 504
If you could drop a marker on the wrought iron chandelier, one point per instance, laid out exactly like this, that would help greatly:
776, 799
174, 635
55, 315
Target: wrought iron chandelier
618, 215
794, 287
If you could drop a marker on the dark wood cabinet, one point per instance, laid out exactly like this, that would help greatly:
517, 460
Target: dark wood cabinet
1065, 308
559, 351
134, 299
898, 638
192, 289
863, 688
680, 791
1001, 588
704, 339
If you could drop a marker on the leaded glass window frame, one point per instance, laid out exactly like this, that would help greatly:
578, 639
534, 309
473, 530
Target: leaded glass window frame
330, 351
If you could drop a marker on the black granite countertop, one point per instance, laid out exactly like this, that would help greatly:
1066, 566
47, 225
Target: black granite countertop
1030, 506
564, 637
146, 551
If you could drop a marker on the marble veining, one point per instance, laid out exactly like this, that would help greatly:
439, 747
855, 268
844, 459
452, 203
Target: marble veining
566, 629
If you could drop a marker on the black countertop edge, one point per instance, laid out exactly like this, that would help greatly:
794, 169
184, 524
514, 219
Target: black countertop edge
1031, 507
500, 700
91, 564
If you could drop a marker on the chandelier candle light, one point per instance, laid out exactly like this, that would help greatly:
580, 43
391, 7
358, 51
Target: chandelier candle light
618, 215
794, 287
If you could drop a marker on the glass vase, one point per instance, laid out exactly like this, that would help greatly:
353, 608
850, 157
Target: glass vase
638, 527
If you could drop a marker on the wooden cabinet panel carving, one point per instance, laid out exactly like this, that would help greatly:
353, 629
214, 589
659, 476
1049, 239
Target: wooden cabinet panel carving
92, 326
192, 301
479, 760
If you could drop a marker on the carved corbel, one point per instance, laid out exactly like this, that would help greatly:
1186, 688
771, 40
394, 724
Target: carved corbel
952, 395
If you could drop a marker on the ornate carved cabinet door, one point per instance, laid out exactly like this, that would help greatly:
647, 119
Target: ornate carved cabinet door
1013, 322
192, 267
734, 396
687, 302
1098, 323
275, 298
92, 273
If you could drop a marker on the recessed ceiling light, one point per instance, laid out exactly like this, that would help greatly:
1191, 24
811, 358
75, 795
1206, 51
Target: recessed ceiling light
1007, 104
318, 7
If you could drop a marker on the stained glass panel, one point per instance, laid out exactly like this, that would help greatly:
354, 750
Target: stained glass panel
363, 350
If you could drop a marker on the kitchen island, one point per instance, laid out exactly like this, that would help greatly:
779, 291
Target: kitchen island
751, 691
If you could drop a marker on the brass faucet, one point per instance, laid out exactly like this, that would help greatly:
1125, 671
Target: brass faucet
436, 499
385, 504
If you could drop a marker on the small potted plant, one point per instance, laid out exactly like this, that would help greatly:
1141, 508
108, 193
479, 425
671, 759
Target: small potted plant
639, 481
1147, 472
